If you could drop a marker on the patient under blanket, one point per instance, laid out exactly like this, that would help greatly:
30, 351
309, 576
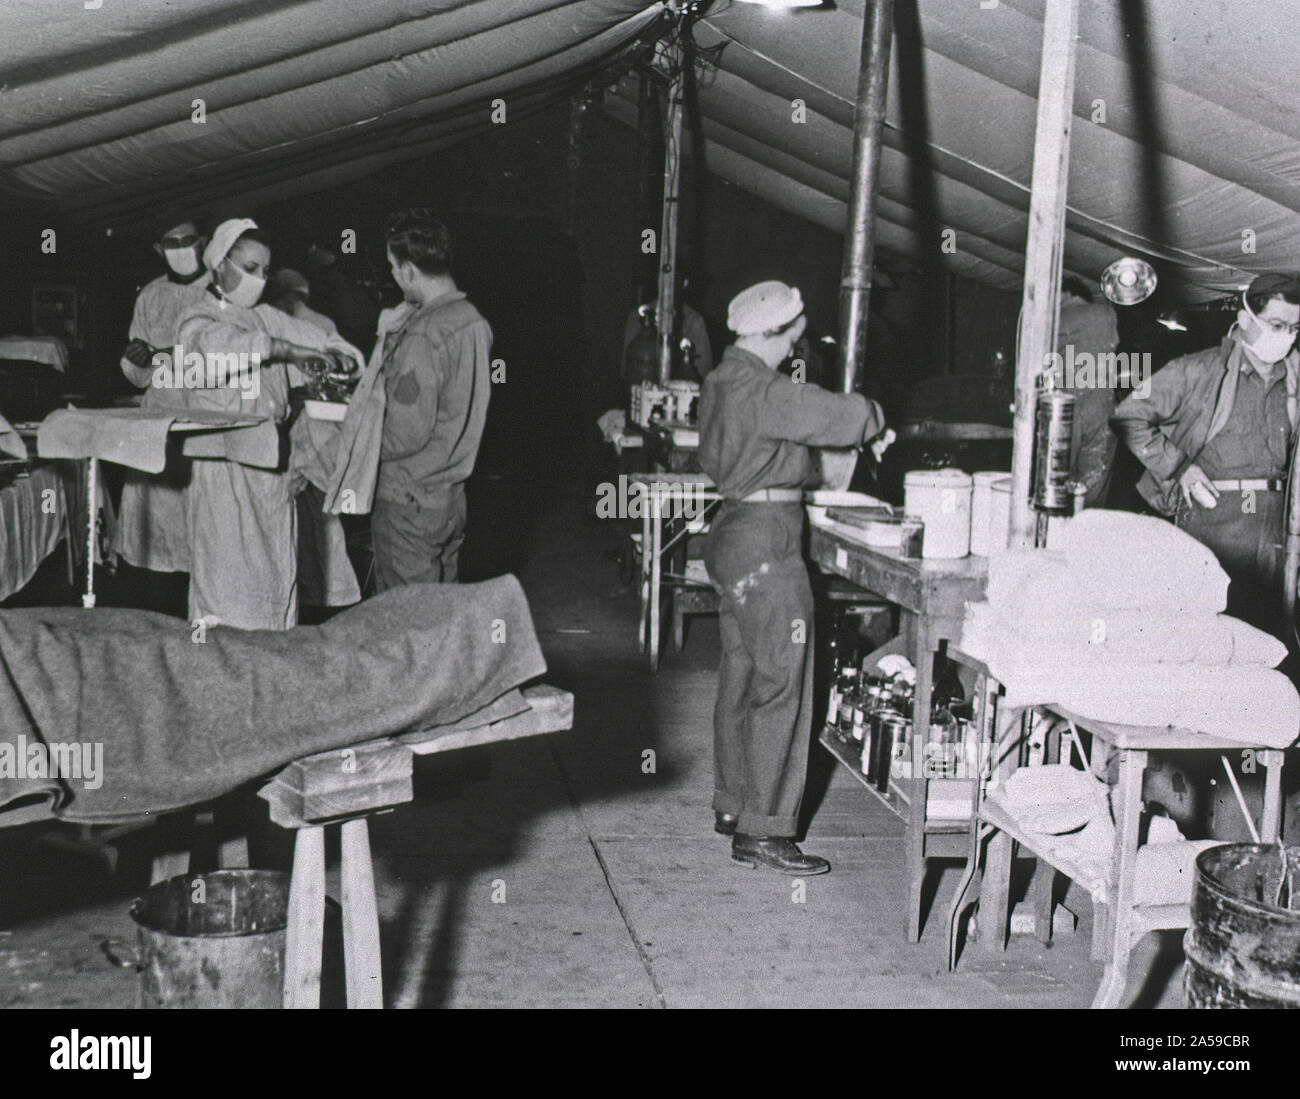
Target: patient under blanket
176, 717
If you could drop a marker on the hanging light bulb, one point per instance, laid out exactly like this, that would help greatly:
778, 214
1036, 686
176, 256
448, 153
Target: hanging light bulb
1128, 280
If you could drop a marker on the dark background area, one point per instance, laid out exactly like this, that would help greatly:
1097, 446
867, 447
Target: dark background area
548, 246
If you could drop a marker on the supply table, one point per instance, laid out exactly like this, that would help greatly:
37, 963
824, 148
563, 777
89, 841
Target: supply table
930, 596
1119, 921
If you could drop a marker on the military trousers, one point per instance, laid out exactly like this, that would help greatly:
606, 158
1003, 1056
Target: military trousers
762, 720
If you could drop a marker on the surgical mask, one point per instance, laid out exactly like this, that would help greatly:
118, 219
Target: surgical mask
1269, 346
246, 291
184, 261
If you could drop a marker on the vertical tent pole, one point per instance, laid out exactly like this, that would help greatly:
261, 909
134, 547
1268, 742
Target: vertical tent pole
860, 237
668, 233
1044, 248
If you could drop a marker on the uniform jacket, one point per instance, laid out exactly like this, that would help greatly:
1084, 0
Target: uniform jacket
756, 425
437, 382
1190, 401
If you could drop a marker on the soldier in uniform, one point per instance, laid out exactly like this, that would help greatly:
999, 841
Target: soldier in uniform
757, 428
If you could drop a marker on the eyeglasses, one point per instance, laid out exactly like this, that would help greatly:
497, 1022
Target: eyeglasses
1279, 326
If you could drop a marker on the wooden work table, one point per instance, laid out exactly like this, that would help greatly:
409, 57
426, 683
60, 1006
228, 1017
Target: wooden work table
930, 596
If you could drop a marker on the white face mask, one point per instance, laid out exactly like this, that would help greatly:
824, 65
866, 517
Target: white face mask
1269, 346
184, 261
246, 291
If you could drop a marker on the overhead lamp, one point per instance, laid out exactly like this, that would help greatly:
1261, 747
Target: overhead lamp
1171, 322
1128, 280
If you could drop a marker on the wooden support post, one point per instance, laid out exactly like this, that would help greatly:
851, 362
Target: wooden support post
1044, 248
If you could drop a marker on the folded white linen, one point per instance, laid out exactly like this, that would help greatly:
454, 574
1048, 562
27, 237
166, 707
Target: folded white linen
1244, 703
1091, 634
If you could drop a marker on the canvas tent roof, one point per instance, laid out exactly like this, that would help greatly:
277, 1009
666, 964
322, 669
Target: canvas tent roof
96, 104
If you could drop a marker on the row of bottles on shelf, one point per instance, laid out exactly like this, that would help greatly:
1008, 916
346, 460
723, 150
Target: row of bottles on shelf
871, 710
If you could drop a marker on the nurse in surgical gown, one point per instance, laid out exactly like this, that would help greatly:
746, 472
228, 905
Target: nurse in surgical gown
240, 510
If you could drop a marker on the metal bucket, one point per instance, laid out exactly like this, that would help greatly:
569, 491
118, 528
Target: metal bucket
213, 940
1243, 950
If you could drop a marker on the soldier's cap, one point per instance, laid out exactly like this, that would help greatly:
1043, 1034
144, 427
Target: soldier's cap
1275, 283
764, 307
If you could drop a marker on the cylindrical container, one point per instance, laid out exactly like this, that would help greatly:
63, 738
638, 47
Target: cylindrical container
981, 508
1243, 951
868, 749
895, 732
999, 525
213, 940
941, 499
1055, 423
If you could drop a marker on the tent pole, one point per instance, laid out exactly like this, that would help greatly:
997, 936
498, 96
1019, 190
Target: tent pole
860, 239
1044, 248
667, 310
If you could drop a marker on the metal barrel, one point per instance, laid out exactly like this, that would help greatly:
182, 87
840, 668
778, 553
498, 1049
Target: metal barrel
213, 940
1243, 950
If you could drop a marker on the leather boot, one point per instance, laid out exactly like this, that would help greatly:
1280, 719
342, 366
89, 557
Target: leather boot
778, 852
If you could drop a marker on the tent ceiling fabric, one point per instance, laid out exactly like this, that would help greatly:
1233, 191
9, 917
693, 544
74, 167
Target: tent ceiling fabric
95, 109
1225, 146
107, 127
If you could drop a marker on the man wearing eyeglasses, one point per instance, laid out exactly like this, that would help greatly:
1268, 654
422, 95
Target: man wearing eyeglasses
1215, 435
150, 531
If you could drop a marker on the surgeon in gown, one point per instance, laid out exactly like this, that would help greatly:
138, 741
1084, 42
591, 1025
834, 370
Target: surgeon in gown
239, 508
150, 531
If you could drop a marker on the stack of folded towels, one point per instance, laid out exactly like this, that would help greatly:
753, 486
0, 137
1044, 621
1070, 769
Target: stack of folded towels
1118, 619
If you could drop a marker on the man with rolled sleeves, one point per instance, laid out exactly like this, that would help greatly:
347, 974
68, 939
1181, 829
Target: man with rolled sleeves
757, 428
1215, 434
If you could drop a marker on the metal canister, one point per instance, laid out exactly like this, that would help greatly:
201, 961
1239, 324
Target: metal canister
1055, 424
895, 733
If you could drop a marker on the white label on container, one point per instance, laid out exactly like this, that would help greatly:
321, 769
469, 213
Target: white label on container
841, 558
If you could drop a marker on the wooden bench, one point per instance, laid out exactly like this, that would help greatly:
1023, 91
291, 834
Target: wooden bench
345, 787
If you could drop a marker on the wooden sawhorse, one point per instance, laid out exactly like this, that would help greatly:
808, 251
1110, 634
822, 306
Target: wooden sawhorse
346, 787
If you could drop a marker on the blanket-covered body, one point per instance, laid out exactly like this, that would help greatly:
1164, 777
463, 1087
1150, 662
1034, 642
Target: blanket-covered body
176, 717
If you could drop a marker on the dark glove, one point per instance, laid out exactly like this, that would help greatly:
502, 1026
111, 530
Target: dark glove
138, 353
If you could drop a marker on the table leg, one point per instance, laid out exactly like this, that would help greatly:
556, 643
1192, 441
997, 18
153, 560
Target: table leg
92, 517
1128, 795
232, 853
656, 577
305, 934
360, 919
995, 893
1270, 825
1040, 891
923, 658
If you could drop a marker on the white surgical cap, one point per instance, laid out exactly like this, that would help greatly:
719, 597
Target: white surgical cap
223, 239
763, 307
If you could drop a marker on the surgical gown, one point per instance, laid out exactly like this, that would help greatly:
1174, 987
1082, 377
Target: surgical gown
150, 530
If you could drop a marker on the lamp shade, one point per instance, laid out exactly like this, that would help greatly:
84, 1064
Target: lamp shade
1128, 281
